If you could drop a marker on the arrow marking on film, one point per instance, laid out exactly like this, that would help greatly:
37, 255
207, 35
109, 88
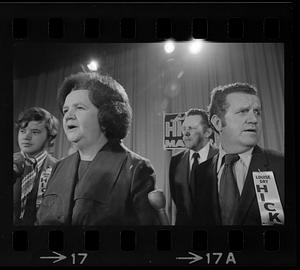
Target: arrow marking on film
195, 258
57, 258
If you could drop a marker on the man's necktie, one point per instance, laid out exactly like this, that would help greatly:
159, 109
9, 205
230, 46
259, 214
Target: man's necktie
229, 194
30, 173
195, 158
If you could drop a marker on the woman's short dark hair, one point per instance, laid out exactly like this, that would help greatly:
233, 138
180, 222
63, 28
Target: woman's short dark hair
218, 104
39, 114
110, 98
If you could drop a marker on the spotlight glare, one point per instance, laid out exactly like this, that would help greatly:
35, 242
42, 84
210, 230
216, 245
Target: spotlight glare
196, 46
93, 66
169, 47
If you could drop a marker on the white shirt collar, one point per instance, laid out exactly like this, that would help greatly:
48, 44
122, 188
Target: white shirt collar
203, 152
245, 157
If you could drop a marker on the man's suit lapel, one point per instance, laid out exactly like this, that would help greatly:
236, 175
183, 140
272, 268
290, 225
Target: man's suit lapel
182, 170
205, 193
182, 180
258, 162
212, 174
214, 187
212, 151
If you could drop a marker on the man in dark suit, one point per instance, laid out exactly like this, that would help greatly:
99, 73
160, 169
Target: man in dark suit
243, 184
196, 136
32, 166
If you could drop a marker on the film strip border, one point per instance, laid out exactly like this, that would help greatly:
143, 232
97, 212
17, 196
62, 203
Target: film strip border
148, 246
260, 22
150, 22
93, 29
163, 240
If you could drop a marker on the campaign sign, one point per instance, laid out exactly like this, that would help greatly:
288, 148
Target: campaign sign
172, 131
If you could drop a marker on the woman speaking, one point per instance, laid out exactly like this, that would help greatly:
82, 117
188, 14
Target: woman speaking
103, 182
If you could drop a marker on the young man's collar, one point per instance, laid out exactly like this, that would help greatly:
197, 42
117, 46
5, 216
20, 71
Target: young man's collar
39, 156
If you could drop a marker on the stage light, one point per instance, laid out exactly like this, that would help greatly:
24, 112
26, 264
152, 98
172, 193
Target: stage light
93, 66
195, 46
169, 46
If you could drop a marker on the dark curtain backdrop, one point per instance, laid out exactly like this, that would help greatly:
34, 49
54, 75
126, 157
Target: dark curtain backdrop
155, 83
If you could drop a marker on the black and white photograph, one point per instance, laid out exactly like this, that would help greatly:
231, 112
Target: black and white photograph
140, 134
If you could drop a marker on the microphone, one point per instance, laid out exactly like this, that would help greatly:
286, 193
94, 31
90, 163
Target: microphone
158, 202
18, 165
